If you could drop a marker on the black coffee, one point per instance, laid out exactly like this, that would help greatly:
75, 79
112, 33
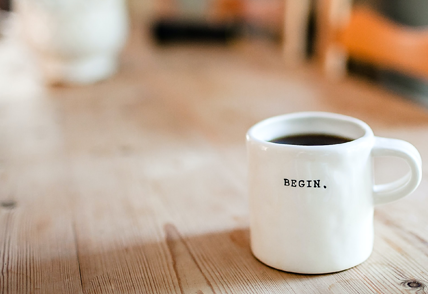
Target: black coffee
311, 139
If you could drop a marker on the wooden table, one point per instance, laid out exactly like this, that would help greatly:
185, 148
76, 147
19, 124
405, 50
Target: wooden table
138, 184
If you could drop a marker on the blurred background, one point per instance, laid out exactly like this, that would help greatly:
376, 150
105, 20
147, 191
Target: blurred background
296, 27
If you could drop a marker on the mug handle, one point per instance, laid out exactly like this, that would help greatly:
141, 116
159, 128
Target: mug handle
402, 187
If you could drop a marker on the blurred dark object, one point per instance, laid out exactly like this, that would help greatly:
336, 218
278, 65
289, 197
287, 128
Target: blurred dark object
363, 69
5, 5
311, 34
217, 21
176, 30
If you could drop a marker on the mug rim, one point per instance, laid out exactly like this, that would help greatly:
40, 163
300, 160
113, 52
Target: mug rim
368, 133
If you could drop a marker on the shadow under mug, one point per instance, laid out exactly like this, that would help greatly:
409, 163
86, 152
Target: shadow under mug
311, 207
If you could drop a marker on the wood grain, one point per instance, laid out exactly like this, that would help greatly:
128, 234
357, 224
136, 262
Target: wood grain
138, 184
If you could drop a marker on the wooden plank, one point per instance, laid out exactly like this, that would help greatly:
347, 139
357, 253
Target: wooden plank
38, 245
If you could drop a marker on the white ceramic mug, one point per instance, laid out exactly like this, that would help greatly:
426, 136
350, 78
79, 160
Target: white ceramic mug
75, 41
311, 207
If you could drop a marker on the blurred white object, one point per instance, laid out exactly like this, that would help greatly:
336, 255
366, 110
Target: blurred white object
75, 41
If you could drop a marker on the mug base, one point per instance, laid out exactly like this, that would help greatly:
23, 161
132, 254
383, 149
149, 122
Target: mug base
309, 271
78, 71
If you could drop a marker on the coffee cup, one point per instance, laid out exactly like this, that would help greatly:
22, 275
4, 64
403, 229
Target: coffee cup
75, 42
312, 193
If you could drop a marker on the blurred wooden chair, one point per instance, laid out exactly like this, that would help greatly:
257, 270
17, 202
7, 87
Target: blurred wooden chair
296, 20
364, 34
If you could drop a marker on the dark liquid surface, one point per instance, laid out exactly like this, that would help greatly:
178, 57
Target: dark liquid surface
311, 140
